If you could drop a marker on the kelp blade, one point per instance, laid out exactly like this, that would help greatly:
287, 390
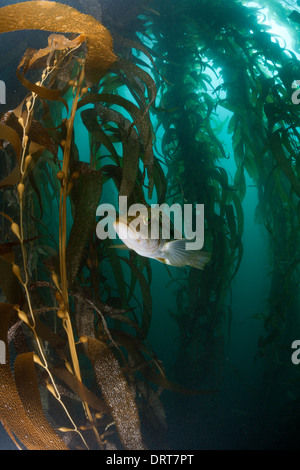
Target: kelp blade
36, 433
116, 392
53, 16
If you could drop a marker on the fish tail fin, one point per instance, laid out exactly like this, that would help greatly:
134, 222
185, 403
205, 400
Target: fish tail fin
199, 259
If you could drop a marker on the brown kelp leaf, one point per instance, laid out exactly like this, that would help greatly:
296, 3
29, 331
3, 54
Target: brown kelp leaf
93, 98
41, 91
160, 182
146, 293
9, 284
153, 410
111, 83
6, 251
12, 411
86, 198
283, 162
89, 119
37, 133
116, 392
219, 174
6, 248
35, 151
26, 382
115, 172
142, 125
130, 144
7, 217
141, 122
134, 71
117, 271
85, 318
136, 44
25, 61
230, 217
239, 214
86, 308
80, 390
5, 314
135, 75
9, 134
11, 179
60, 18
47, 334
10, 434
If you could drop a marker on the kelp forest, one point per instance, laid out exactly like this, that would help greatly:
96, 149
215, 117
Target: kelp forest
176, 102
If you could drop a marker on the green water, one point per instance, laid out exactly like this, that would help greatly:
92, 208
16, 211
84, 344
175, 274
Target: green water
223, 107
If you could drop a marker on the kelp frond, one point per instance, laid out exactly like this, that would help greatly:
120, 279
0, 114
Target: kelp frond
49, 312
56, 17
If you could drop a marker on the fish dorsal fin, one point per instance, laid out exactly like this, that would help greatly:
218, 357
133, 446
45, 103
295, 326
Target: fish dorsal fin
177, 255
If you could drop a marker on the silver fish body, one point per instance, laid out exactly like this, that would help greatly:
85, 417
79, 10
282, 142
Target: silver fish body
172, 252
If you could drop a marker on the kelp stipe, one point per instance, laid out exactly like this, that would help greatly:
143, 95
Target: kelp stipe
28, 152
65, 300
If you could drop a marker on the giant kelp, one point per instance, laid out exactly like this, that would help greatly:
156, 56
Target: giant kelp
60, 320
255, 72
192, 150
85, 348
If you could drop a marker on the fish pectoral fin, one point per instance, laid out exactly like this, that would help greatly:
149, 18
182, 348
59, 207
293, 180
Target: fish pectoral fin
177, 255
175, 252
